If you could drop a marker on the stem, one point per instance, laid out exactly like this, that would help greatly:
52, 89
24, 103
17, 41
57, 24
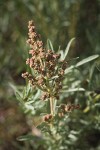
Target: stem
52, 106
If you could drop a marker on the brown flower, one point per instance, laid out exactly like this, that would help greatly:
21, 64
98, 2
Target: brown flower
47, 117
45, 64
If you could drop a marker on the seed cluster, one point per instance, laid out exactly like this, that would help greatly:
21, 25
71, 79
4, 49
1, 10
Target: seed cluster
47, 118
48, 73
48, 69
67, 108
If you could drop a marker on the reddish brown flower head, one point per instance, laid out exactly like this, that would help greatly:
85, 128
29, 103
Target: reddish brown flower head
47, 117
45, 63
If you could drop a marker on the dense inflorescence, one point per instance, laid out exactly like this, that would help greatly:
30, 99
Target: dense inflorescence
47, 67
47, 73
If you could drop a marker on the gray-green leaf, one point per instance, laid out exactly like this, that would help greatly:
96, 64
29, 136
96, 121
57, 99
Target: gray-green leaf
90, 58
68, 47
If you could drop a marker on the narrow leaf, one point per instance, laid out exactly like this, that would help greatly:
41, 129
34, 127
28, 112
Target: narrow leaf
49, 44
19, 97
68, 47
62, 55
74, 90
90, 58
25, 138
37, 94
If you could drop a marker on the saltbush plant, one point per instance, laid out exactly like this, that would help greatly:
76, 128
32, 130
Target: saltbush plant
52, 95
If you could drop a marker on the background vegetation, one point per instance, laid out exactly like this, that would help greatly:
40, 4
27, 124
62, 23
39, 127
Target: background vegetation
59, 21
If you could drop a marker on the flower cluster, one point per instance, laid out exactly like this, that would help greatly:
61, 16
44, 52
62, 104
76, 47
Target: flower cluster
48, 69
67, 108
47, 74
47, 118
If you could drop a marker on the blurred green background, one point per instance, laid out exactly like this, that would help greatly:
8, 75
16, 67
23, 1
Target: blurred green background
58, 20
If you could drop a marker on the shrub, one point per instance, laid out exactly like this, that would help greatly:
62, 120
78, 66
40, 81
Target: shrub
53, 93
